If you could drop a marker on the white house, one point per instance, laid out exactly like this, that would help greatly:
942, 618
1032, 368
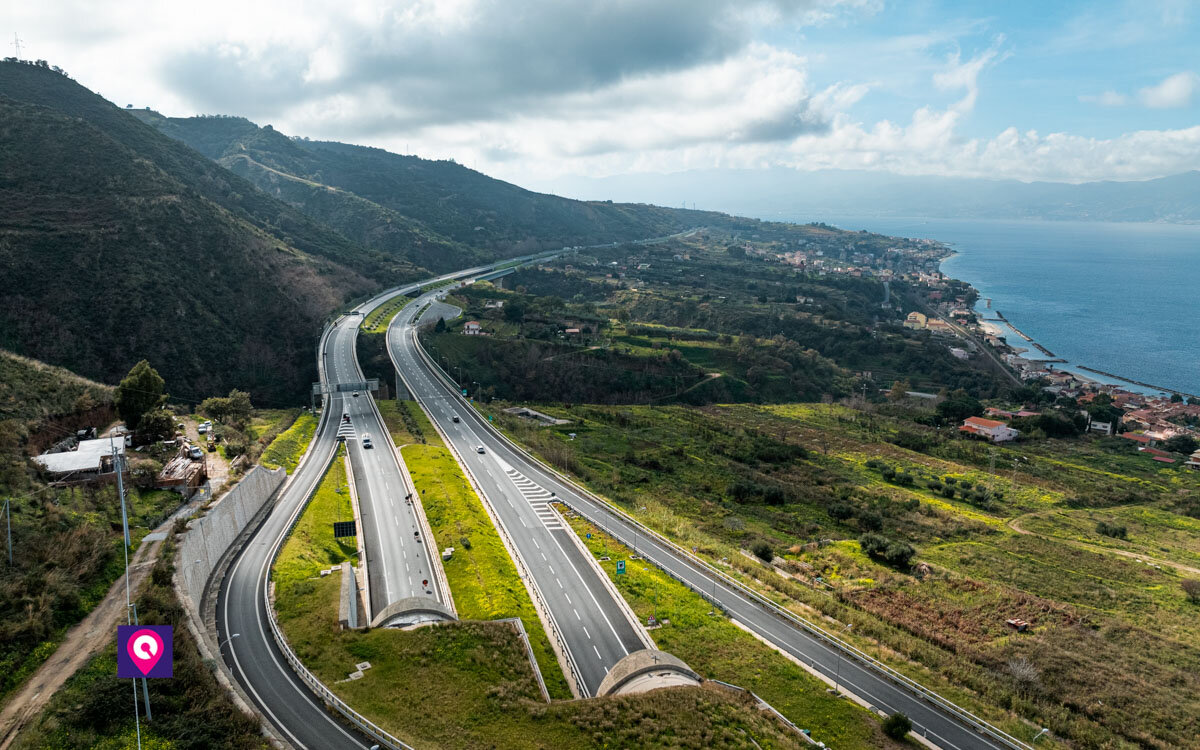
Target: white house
471, 328
997, 432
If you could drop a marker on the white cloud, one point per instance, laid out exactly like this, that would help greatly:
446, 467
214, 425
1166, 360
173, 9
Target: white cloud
1173, 91
1107, 99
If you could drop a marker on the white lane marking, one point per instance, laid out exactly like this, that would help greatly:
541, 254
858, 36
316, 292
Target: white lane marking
598, 656
535, 544
585, 632
559, 582
577, 617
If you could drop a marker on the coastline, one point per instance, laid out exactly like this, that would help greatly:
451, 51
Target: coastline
1000, 326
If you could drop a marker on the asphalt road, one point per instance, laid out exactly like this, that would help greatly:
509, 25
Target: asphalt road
442, 403
593, 621
398, 556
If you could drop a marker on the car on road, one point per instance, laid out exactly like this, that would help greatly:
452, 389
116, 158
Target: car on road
195, 453
455, 419
479, 449
202, 428
356, 394
346, 417
367, 441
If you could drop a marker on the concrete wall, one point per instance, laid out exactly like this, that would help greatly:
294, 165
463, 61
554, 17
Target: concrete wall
209, 537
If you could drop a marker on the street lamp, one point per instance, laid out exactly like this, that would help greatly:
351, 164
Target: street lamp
227, 640
1045, 730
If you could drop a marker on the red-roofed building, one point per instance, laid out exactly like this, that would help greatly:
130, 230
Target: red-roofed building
989, 429
1164, 459
1137, 438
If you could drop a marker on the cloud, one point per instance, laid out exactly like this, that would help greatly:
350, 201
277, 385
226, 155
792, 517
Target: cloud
1173, 91
1107, 99
965, 75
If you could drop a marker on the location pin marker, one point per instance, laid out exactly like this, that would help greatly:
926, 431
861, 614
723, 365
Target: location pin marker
145, 647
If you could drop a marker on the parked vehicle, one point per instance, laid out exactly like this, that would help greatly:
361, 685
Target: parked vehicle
195, 453
200, 428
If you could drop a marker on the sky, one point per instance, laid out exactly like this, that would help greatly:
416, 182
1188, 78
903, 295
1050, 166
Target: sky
532, 90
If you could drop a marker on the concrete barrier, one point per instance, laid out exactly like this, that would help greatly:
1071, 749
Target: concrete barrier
209, 537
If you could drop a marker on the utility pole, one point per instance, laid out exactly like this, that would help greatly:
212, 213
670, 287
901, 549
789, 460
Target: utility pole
117, 465
145, 685
16, 45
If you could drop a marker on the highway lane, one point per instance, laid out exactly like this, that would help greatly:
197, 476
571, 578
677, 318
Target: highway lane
399, 560
593, 621
442, 402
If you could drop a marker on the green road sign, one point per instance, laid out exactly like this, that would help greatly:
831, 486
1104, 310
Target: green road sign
620, 567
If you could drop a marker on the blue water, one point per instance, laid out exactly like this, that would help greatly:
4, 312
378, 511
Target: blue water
1114, 296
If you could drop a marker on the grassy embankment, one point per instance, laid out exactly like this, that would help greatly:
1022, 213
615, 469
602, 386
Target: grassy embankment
289, 446
1111, 635
469, 685
93, 710
715, 647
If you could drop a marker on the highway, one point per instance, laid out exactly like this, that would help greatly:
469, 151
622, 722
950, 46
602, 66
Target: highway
254, 659
939, 723
593, 621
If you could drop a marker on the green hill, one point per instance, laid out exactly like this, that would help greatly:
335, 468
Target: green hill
395, 202
118, 243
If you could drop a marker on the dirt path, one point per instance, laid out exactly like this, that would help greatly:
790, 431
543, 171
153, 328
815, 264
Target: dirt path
81, 642
1015, 525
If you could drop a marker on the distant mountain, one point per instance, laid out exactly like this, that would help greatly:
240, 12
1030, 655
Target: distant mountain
438, 213
118, 243
788, 194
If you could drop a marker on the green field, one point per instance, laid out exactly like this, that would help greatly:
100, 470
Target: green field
724, 479
311, 546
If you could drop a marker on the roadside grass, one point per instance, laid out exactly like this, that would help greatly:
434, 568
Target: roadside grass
407, 423
311, 546
717, 649
191, 710
288, 447
265, 421
482, 576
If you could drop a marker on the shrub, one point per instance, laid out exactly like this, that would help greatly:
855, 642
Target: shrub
1191, 587
870, 520
890, 551
841, 511
897, 726
951, 480
1117, 531
948, 492
763, 551
889, 473
965, 484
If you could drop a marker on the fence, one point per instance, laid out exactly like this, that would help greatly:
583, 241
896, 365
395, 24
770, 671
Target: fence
209, 537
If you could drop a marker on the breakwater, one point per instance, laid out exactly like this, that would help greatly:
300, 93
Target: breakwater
1021, 333
1114, 376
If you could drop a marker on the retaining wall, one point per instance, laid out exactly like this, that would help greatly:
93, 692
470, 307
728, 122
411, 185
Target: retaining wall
208, 537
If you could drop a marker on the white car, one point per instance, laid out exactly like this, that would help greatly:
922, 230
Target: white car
479, 449
201, 428
367, 441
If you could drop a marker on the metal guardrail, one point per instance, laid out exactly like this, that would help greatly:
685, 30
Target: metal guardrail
706, 568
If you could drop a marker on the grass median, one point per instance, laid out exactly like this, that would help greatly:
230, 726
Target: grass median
716, 648
482, 576
469, 684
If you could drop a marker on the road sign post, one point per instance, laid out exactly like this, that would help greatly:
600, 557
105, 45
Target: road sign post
620, 567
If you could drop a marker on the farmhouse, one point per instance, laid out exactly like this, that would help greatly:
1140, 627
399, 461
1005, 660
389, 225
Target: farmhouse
992, 430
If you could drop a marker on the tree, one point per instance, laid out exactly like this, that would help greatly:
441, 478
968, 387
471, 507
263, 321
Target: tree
899, 391
1191, 587
958, 405
440, 326
232, 409
156, 425
1176, 398
138, 393
1181, 444
897, 726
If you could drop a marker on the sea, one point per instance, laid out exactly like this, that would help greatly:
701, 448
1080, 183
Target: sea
1118, 297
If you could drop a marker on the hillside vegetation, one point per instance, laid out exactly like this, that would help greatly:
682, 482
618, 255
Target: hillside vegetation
437, 213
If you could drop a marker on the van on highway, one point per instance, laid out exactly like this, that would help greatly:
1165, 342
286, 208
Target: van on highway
367, 441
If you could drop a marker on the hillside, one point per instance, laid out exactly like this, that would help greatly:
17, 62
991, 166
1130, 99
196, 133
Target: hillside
394, 202
117, 244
